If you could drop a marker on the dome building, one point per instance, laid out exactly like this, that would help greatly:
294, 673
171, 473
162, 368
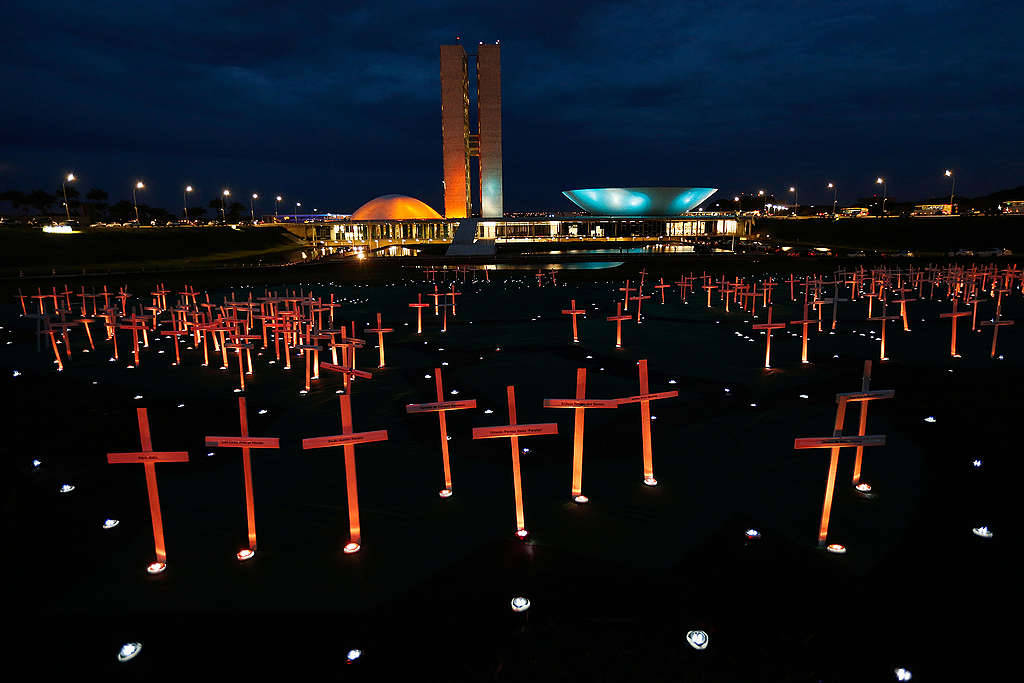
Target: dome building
394, 207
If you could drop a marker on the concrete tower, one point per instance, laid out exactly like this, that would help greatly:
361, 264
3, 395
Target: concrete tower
458, 143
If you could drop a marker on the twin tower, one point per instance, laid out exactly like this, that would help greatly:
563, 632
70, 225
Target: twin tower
459, 145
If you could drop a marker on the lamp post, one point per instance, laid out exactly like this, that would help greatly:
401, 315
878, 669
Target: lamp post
188, 189
223, 213
885, 192
252, 208
297, 205
277, 203
796, 199
135, 201
835, 197
737, 200
760, 193
952, 189
70, 178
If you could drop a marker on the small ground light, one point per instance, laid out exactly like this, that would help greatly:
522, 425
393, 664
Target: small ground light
520, 604
17, 374
982, 531
263, 411
351, 548
976, 463
698, 640
245, 554
650, 481
128, 651
137, 396
522, 533
66, 488
37, 463
581, 499
353, 655
156, 567
803, 396
863, 487
930, 418
488, 411
837, 548
110, 523
753, 533
903, 674
445, 493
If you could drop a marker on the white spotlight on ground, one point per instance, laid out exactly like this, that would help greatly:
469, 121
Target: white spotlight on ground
128, 651
982, 531
903, 674
837, 548
520, 604
353, 655
698, 640
110, 523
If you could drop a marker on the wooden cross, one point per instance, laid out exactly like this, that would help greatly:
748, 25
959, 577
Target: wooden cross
996, 323
245, 442
419, 306
834, 443
440, 407
768, 326
863, 397
573, 311
952, 317
579, 404
618, 318
148, 457
135, 325
514, 431
540, 277
883, 319
707, 286
348, 440
805, 322
380, 331
903, 301
644, 398
792, 281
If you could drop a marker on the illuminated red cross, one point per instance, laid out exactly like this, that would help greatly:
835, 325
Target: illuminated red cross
805, 322
348, 440
453, 294
238, 347
436, 296
148, 457
514, 431
618, 318
662, 287
380, 331
863, 397
768, 326
644, 398
996, 323
540, 277
884, 319
684, 284
707, 286
135, 325
627, 289
903, 301
245, 442
441, 407
834, 443
573, 311
953, 319
419, 306
639, 299
579, 404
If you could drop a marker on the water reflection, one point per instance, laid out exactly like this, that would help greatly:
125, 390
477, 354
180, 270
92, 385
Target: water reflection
646, 249
581, 265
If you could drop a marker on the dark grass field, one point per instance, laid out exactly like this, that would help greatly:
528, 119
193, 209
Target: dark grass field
614, 585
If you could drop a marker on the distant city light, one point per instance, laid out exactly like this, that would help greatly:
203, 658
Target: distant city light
71, 177
188, 188
139, 185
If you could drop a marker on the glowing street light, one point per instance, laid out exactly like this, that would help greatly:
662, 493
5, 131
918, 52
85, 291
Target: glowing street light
188, 190
252, 208
796, 199
277, 202
835, 197
139, 185
70, 178
297, 206
885, 192
223, 214
952, 189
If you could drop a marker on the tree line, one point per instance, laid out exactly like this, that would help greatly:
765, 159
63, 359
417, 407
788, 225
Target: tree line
95, 207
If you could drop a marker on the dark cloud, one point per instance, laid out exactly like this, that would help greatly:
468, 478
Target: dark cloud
334, 103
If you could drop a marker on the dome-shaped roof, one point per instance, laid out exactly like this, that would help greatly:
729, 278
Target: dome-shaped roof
639, 201
394, 207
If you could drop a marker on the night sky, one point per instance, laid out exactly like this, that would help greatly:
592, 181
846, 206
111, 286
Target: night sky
333, 103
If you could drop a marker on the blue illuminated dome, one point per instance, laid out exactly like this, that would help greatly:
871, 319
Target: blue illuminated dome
639, 201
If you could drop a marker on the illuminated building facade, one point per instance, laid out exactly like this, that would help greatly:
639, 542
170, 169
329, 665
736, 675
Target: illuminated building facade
459, 144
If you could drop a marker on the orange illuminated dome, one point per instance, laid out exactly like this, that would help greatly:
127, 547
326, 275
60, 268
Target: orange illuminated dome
394, 207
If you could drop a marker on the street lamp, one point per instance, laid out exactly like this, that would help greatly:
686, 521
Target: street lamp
760, 193
737, 200
188, 189
135, 201
796, 199
70, 178
885, 192
277, 202
252, 208
952, 189
223, 213
297, 205
835, 197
